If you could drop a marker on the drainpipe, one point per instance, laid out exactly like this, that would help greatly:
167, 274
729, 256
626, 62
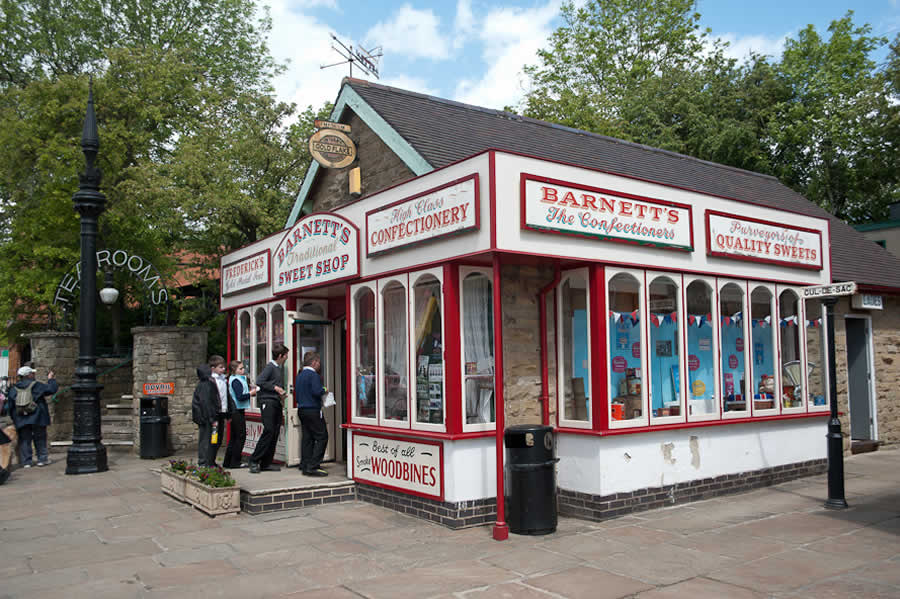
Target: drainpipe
501, 528
545, 375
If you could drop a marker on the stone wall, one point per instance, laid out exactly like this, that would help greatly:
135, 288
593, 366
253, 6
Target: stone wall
57, 351
169, 355
522, 341
115, 374
886, 347
379, 168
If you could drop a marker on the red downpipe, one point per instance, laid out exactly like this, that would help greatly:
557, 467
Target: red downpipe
545, 374
501, 528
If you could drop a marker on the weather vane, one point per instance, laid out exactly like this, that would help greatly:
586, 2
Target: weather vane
365, 60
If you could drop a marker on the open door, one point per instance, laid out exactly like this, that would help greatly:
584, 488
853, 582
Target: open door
859, 384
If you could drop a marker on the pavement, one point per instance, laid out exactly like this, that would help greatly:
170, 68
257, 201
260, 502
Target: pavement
115, 534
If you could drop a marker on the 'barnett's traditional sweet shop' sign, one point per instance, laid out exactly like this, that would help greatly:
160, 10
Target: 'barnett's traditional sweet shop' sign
246, 274
762, 241
549, 205
446, 210
413, 466
320, 248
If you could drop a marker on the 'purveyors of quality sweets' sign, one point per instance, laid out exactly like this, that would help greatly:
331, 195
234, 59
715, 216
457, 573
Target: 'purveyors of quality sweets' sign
445, 210
549, 205
414, 466
762, 241
246, 274
320, 248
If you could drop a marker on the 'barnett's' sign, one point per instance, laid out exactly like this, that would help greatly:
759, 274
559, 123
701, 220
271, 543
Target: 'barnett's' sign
332, 148
412, 466
320, 248
246, 274
446, 210
762, 241
555, 206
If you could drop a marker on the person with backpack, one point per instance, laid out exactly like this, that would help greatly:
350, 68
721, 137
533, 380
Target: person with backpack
28, 409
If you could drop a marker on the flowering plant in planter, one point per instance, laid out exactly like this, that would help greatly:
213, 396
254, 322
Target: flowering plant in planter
178, 466
211, 476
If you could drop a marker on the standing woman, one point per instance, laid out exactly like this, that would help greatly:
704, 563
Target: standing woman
239, 394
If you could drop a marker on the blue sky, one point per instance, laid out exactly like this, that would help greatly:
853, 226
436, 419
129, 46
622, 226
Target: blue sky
473, 51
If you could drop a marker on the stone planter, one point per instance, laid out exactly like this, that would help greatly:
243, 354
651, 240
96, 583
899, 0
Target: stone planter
173, 483
213, 501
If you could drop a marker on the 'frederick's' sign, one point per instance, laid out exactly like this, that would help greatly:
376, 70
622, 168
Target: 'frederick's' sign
762, 241
319, 248
449, 209
246, 273
413, 466
549, 205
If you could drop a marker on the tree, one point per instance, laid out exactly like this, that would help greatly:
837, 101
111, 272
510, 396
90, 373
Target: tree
196, 154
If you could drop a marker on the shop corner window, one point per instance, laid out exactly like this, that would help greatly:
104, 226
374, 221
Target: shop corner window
815, 355
574, 348
262, 341
364, 353
664, 349
701, 345
427, 345
762, 350
625, 349
789, 354
732, 314
478, 349
394, 365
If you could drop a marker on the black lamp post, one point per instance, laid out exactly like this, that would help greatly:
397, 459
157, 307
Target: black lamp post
87, 453
836, 500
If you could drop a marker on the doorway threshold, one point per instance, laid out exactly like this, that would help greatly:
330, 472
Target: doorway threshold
288, 489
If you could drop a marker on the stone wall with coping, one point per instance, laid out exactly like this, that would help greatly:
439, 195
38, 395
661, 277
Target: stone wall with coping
57, 351
166, 354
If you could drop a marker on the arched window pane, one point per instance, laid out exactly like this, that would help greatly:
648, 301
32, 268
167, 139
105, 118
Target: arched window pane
428, 350
478, 348
574, 335
394, 359
789, 334
366, 394
700, 365
762, 350
262, 341
731, 310
665, 392
625, 347
815, 353
245, 340
277, 326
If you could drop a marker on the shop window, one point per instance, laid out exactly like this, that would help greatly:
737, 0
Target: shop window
815, 355
762, 350
625, 350
731, 314
262, 341
664, 360
244, 345
574, 347
478, 349
789, 346
701, 361
427, 344
394, 365
364, 353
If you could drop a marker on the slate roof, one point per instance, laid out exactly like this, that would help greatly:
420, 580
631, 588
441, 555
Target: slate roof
443, 131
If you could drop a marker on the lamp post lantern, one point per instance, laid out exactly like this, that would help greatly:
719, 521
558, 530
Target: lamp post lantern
87, 453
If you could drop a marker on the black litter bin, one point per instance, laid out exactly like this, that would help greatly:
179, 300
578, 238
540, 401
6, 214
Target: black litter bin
154, 426
530, 485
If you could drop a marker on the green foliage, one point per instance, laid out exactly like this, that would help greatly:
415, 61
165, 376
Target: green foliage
823, 118
211, 476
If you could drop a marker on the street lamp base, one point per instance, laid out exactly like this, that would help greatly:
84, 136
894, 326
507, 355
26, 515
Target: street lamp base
85, 458
836, 504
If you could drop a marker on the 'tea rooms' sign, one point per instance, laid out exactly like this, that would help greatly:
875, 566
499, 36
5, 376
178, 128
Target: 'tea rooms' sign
319, 248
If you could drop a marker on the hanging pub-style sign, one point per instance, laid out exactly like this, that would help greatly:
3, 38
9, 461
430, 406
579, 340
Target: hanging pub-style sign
332, 148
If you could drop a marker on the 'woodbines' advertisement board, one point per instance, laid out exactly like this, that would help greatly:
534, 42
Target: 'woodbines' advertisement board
412, 466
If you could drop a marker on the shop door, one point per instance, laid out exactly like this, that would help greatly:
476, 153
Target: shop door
859, 378
313, 334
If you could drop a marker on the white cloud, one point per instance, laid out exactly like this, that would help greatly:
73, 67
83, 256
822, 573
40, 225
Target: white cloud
740, 47
511, 38
413, 32
301, 4
464, 24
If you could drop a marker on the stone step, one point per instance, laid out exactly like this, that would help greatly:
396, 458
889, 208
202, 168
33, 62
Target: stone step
117, 419
119, 406
117, 430
57, 447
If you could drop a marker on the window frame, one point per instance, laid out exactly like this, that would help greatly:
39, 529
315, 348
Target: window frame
742, 284
465, 272
687, 280
640, 276
383, 284
355, 321
781, 289
774, 339
823, 314
412, 410
561, 420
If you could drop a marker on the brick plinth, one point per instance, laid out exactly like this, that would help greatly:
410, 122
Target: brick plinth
291, 499
604, 507
452, 515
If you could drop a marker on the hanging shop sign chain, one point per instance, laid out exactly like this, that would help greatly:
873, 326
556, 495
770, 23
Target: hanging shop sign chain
147, 274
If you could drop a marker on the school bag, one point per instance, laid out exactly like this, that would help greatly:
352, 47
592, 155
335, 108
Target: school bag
25, 403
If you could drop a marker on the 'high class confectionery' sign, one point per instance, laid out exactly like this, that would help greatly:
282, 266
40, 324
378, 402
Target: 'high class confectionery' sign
762, 241
549, 205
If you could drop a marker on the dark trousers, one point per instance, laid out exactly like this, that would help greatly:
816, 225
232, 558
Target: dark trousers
204, 432
315, 438
271, 421
38, 434
236, 441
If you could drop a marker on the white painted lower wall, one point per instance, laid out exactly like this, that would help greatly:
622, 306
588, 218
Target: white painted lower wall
622, 463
